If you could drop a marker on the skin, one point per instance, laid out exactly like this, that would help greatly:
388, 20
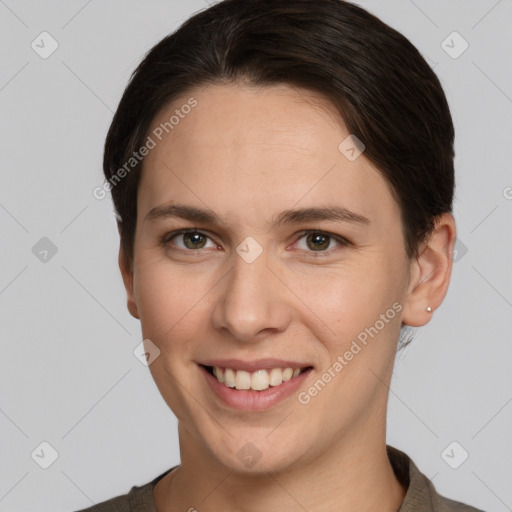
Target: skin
248, 154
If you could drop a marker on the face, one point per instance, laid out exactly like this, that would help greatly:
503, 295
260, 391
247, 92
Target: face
293, 257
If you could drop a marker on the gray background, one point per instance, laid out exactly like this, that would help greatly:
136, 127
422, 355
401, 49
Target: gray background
68, 375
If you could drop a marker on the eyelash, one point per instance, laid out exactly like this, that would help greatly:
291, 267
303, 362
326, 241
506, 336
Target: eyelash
343, 242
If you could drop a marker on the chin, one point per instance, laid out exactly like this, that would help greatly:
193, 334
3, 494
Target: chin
250, 460
254, 451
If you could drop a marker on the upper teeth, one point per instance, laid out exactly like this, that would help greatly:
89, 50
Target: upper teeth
258, 380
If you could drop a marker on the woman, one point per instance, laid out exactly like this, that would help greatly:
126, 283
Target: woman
283, 177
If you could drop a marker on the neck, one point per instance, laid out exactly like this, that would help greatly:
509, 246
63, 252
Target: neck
354, 475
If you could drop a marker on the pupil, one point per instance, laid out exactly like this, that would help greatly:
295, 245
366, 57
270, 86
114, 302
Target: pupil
319, 241
192, 240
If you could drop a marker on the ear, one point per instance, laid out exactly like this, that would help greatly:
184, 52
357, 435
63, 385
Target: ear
430, 273
127, 274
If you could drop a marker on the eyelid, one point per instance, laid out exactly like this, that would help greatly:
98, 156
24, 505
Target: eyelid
342, 241
165, 239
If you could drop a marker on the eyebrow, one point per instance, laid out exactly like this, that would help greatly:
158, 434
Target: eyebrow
206, 216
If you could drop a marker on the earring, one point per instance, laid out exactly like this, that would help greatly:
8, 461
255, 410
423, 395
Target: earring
428, 309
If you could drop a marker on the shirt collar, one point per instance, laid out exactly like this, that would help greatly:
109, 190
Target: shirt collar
420, 490
420, 495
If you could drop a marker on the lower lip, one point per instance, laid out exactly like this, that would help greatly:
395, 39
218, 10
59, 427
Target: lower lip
250, 400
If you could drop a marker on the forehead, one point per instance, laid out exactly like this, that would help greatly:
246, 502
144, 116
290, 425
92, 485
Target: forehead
250, 149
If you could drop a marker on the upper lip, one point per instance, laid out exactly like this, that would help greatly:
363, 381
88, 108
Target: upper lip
257, 364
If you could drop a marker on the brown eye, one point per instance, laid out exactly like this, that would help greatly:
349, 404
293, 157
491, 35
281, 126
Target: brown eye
194, 240
318, 242
187, 240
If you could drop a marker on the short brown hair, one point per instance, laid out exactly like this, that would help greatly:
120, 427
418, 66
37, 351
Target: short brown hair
385, 91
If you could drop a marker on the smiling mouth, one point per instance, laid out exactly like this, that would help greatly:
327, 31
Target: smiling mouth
259, 380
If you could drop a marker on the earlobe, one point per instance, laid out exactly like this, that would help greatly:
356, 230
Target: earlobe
127, 275
430, 273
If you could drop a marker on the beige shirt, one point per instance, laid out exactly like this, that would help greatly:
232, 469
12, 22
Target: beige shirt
421, 495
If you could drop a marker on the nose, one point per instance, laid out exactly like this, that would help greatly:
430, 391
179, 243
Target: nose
252, 302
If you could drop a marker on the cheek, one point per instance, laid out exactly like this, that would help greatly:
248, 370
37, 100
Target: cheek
359, 326
157, 300
357, 320
172, 303
349, 298
172, 316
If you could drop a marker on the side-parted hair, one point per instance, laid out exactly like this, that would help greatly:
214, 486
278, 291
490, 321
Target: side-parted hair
385, 92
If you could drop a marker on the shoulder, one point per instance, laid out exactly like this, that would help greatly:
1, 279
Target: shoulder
421, 494
443, 504
118, 504
139, 499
